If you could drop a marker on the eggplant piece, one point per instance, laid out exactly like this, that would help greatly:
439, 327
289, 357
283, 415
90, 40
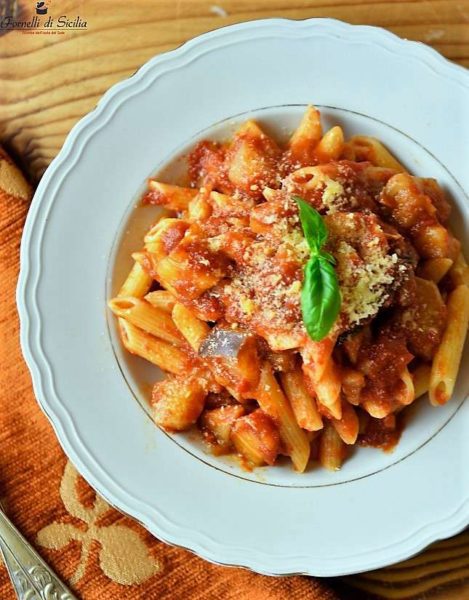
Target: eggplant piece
233, 359
226, 343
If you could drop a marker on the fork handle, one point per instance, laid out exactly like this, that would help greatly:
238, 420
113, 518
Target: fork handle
30, 576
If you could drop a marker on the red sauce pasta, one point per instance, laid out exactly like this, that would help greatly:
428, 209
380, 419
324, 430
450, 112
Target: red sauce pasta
219, 296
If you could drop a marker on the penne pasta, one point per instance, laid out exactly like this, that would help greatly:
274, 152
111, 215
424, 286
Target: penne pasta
353, 381
252, 158
164, 236
459, 272
434, 241
331, 448
149, 263
448, 356
219, 422
434, 269
160, 353
331, 145
379, 408
328, 389
283, 361
302, 403
421, 379
172, 197
410, 206
161, 299
274, 403
354, 341
147, 317
424, 320
179, 277
199, 208
348, 425
256, 438
309, 292
406, 394
316, 356
192, 328
372, 150
137, 283
228, 206
306, 137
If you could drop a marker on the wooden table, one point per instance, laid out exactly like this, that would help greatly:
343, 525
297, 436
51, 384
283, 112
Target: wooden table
49, 81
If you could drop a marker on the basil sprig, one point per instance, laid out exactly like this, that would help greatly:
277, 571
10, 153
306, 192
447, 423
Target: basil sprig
320, 294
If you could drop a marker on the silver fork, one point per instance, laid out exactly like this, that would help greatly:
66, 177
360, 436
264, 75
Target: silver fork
32, 579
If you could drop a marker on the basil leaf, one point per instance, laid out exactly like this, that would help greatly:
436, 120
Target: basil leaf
320, 297
328, 256
320, 294
313, 226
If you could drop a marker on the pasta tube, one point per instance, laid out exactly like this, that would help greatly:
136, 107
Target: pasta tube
161, 299
256, 437
435, 269
421, 377
160, 353
347, 426
137, 283
331, 449
153, 320
306, 137
192, 328
273, 402
302, 403
448, 356
372, 150
331, 145
170, 196
459, 273
328, 389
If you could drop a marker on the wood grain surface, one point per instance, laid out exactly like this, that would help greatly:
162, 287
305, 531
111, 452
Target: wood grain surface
48, 82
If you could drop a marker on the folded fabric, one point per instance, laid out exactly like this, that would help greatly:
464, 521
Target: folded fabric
13, 184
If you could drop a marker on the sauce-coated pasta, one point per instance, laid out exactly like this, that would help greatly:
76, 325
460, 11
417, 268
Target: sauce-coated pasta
214, 298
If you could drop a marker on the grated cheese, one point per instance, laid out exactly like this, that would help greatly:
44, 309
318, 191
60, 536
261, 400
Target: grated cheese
364, 286
332, 194
264, 291
296, 241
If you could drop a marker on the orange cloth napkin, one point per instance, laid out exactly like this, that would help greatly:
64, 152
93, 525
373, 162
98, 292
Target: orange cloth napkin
98, 552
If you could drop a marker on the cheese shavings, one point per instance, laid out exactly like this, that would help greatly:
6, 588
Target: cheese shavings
365, 286
332, 194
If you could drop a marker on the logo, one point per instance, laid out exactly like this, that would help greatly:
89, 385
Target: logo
41, 8
38, 21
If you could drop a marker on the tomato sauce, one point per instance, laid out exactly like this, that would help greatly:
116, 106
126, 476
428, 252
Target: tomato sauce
382, 433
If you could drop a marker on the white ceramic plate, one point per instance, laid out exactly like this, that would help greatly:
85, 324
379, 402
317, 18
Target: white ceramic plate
380, 508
